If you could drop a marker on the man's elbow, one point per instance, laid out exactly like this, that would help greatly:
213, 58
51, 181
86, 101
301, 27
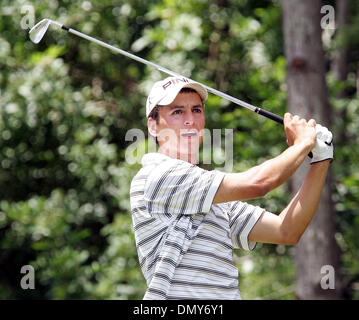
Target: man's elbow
293, 240
263, 187
266, 179
260, 190
289, 238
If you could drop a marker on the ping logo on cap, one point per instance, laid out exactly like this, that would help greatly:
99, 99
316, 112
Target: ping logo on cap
174, 81
165, 91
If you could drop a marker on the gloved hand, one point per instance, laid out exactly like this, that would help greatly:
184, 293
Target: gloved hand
323, 149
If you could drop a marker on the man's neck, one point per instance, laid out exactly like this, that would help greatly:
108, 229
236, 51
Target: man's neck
188, 157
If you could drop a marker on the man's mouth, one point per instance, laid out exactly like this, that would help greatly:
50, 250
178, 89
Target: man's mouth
189, 134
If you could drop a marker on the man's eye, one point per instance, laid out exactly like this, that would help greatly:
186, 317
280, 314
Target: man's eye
177, 112
197, 110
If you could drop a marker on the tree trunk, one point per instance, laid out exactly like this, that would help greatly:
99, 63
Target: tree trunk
340, 59
308, 97
339, 65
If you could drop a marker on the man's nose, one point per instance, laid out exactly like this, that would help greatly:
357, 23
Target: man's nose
188, 118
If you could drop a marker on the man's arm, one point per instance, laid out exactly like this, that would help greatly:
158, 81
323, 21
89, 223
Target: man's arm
259, 180
289, 225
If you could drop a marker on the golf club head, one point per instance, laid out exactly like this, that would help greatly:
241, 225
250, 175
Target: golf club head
38, 30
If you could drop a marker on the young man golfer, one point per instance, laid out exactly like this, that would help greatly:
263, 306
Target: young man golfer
188, 220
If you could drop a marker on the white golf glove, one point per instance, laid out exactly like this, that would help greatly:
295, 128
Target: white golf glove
323, 149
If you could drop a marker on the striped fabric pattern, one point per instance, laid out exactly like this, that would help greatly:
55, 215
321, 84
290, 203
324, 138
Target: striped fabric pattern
185, 244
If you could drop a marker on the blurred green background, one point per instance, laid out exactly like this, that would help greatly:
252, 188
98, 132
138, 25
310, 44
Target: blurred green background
66, 105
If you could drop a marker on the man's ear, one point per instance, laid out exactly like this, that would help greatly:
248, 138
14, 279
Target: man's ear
152, 127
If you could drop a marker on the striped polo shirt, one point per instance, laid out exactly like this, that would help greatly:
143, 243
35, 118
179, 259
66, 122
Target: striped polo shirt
184, 242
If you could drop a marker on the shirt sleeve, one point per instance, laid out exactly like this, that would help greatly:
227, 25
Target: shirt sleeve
178, 187
242, 218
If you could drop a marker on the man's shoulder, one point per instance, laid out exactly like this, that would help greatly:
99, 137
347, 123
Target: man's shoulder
160, 169
150, 163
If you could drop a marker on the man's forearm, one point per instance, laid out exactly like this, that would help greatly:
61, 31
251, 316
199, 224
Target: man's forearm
259, 180
276, 171
301, 209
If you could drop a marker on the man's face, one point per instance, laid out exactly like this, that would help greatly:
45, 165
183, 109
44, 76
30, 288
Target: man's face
180, 127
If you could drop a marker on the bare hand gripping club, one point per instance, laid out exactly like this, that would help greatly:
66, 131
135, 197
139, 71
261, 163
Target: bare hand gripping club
38, 31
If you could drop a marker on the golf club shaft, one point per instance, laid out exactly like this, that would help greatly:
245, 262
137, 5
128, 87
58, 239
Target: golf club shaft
38, 31
260, 111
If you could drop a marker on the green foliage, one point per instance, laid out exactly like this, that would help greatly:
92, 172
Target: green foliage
66, 105
257, 283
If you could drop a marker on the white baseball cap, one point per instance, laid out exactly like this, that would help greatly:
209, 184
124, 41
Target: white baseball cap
165, 91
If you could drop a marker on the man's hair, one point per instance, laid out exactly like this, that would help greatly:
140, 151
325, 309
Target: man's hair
155, 111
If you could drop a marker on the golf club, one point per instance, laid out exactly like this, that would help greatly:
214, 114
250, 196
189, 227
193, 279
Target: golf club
38, 31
